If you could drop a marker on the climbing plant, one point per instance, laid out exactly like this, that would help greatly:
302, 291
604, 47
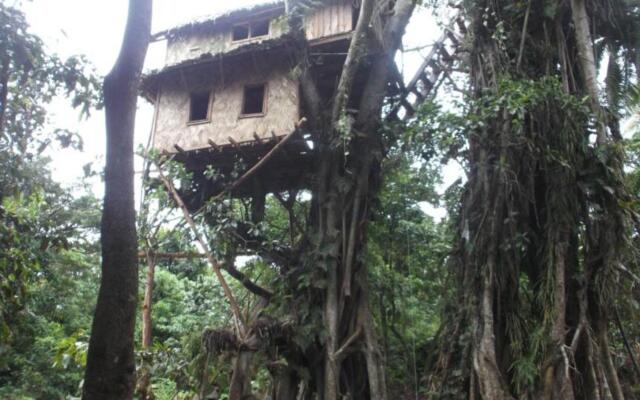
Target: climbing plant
546, 218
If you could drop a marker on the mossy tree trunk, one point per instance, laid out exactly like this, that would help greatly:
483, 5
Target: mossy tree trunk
346, 182
110, 372
541, 228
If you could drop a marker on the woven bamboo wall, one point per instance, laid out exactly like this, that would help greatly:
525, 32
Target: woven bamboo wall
227, 81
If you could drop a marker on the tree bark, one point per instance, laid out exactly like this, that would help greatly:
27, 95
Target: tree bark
587, 63
144, 382
285, 384
110, 372
557, 379
240, 385
343, 211
147, 302
4, 93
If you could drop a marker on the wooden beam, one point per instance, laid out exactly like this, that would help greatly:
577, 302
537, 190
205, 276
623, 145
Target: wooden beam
180, 149
214, 145
215, 264
264, 159
237, 146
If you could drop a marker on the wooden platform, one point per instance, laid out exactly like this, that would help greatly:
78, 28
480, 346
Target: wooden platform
290, 167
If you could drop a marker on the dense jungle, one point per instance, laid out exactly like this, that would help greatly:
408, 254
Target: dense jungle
480, 244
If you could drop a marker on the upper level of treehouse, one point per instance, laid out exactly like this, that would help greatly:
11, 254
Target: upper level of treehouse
229, 81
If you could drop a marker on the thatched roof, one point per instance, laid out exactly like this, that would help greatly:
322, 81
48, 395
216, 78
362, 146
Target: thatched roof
209, 23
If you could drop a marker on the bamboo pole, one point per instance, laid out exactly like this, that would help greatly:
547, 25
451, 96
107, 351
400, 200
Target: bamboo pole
212, 261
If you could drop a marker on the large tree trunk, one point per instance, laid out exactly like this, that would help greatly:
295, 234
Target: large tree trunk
347, 180
240, 385
110, 372
537, 246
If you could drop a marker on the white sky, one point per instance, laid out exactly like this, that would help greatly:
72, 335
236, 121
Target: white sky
94, 28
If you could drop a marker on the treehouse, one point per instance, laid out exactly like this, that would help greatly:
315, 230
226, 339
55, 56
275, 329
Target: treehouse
228, 93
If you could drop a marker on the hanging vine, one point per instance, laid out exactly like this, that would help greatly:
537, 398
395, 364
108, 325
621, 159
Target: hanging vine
545, 218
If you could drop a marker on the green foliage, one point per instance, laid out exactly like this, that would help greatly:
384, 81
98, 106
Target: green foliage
30, 78
49, 254
406, 256
48, 234
45, 354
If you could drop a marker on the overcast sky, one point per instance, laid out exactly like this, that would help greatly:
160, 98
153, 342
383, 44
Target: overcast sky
94, 28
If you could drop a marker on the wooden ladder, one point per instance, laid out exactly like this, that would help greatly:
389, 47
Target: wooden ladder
435, 67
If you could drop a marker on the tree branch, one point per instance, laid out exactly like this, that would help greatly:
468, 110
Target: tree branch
4, 93
375, 89
217, 266
231, 270
357, 49
246, 282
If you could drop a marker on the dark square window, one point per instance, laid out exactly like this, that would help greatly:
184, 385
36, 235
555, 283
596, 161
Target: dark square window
240, 32
260, 28
253, 100
199, 106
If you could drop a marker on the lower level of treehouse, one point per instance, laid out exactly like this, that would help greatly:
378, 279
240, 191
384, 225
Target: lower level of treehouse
247, 169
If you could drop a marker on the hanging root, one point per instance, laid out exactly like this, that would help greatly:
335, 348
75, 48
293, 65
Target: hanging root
543, 225
218, 341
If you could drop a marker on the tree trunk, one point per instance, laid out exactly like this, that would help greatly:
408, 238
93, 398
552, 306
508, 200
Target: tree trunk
147, 304
4, 93
240, 385
352, 363
537, 247
110, 372
144, 382
588, 63
285, 385
557, 380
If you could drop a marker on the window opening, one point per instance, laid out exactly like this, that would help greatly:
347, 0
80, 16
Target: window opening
199, 106
254, 29
253, 100
260, 28
240, 32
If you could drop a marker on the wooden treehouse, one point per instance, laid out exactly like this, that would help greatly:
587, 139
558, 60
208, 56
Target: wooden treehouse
228, 93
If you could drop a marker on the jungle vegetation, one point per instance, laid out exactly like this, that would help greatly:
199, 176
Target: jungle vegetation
527, 288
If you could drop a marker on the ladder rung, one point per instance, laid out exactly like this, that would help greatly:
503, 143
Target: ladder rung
419, 95
433, 63
408, 106
426, 81
445, 54
452, 36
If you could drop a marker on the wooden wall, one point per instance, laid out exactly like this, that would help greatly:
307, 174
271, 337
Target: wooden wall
226, 79
227, 82
333, 19
215, 42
